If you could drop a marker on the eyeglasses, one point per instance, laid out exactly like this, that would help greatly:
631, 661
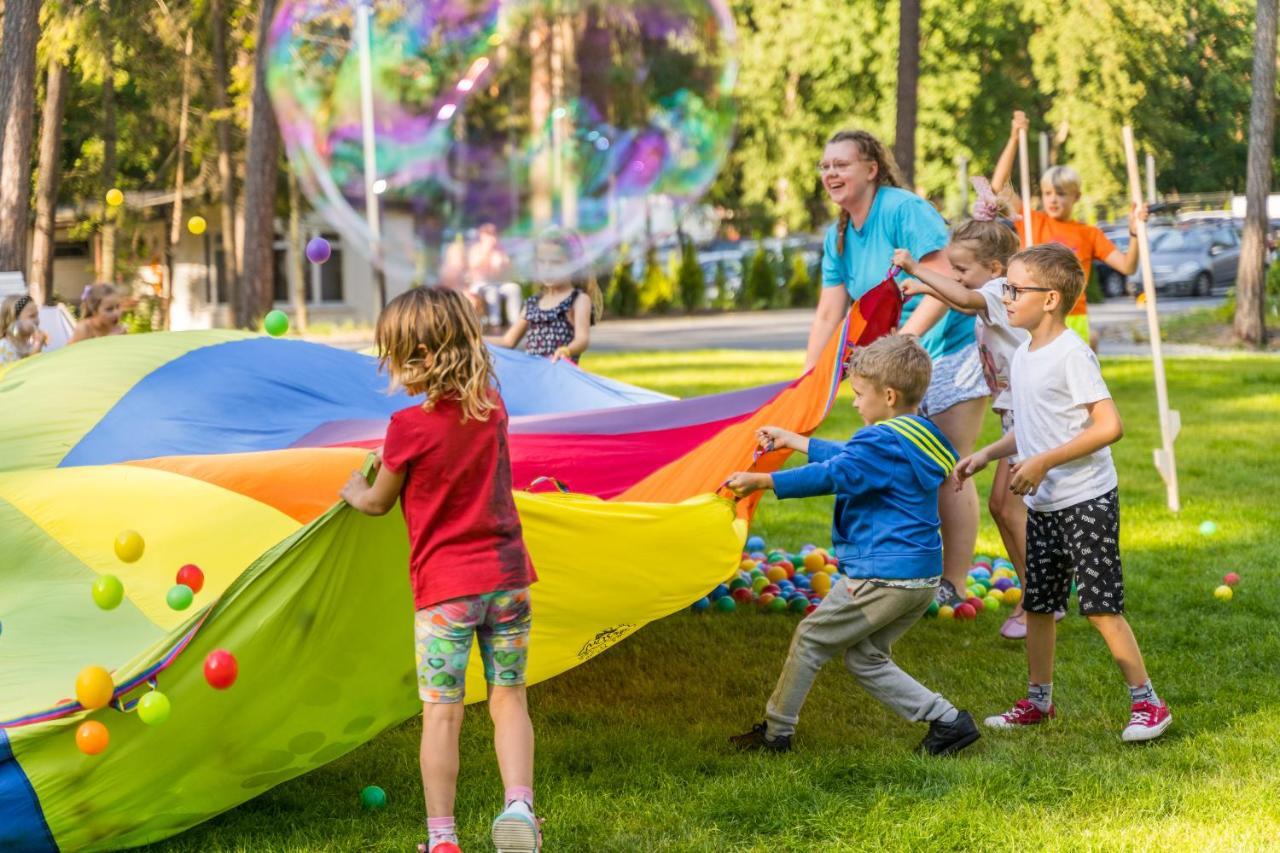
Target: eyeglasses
839, 165
1012, 293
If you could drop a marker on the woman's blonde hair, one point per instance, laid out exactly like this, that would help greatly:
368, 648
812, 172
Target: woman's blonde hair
92, 298
887, 174
429, 341
10, 309
571, 244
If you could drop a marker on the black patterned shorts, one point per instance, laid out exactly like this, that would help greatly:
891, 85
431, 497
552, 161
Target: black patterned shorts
1081, 542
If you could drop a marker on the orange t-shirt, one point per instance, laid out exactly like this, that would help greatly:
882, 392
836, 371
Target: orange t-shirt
1088, 243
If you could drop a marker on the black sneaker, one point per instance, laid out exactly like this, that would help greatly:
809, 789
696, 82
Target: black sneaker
758, 738
946, 595
946, 738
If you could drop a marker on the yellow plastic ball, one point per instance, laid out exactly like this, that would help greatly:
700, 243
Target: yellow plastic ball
813, 561
115, 198
94, 687
776, 573
129, 546
747, 565
946, 611
1011, 596
1223, 593
820, 583
196, 225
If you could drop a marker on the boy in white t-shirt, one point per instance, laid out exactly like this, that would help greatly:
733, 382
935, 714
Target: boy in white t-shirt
979, 254
1064, 421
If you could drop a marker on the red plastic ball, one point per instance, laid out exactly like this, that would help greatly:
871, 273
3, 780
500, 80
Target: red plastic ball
976, 604
810, 609
966, 611
771, 589
1231, 579
743, 595
220, 669
191, 576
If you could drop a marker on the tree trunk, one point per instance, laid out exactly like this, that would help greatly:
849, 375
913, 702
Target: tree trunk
297, 258
261, 158
904, 144
48, 173
179, 179
108, 257
226, 176
1251, 286
540, 172
21, 31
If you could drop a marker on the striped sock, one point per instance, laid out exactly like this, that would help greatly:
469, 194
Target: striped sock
1144, 692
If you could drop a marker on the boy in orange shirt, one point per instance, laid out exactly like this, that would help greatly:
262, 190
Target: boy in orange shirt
1059, 192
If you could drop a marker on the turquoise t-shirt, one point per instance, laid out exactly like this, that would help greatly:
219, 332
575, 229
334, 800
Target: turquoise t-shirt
898, 220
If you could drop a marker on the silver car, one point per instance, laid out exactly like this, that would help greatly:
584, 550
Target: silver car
1193, 260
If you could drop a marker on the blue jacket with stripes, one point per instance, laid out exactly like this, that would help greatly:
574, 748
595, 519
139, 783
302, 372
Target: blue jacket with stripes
885, 479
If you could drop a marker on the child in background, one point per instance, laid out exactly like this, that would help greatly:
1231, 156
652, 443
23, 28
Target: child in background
885, 532
559, 318
979, 254
446, 461
20, 322
100, 311
1059, 192
1064, 420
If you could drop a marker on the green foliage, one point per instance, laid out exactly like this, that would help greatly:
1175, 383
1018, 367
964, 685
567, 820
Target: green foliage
690, 282
144, 316
801, 291
742, 298
761, 284
624, 294
657, 291
723, 298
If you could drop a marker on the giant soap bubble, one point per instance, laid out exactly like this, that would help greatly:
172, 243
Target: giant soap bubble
504, 119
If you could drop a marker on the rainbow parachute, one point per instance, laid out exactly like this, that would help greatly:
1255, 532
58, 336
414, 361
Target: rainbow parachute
227, 451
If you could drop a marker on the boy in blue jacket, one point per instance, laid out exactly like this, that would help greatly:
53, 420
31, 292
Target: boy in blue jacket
885, 533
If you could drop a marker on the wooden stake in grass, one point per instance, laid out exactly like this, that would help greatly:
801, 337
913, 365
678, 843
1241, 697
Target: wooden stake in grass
1024, 168
1170, 422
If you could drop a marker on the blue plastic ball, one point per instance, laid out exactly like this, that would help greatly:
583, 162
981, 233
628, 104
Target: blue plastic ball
802, 582
719, 592
701, 605
757, 555
755, 543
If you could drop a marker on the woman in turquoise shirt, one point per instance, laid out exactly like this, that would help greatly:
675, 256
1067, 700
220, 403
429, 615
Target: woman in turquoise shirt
877, 216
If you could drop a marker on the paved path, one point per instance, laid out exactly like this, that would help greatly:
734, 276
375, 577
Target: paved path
789, 330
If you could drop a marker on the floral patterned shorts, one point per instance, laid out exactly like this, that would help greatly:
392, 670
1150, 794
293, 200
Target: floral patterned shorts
442, 642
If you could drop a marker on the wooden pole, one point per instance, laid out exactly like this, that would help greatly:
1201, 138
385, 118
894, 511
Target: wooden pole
1024, 169
1170, 422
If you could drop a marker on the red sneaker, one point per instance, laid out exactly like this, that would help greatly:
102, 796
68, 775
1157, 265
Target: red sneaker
1146, 722
1023, 713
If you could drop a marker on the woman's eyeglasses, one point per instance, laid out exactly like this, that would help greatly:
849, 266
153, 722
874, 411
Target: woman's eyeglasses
838, 166
1012, 293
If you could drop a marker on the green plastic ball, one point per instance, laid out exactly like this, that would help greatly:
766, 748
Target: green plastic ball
276, 323
738, 583
759, 584
373, 798
180, 596
991, 602
933, 608
108, 592
778, 605
726, 604
154, 708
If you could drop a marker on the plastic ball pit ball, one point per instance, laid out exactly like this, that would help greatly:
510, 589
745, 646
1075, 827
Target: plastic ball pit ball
154, 708
94, 687
1223, 593
179, 597
115, 198
743, 595
933, 609
374, 798
799, 604
975, 603
991, 602
1011, 596
129, 546
719, 592
813, 561
946, 611
738, 583
765, 599
778, 604
318, 250
747, 564
276, 323
108, 592
221, 669
191, 577
1231, 579
702, 605
759, 583
966, 612
1208, 528
755, 543
92, 737
726, 604
196, 225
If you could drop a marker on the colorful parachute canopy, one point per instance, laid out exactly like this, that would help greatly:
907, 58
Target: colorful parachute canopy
227, 451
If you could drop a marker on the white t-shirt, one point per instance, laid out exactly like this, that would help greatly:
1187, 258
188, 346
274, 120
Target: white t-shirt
997, 341
1050, 388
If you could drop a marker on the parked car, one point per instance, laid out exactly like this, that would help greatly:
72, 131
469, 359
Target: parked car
1193, 260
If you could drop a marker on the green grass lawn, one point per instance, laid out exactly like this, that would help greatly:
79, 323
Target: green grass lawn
631, 746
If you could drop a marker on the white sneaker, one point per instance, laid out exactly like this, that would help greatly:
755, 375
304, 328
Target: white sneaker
516, 830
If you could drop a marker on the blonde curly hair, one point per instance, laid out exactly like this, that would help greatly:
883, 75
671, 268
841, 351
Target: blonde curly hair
429, 342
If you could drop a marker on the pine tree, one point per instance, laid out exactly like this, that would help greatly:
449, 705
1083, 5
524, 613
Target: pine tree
624, 295
800, 291
690, 282
656, 289
762, 285
723, 298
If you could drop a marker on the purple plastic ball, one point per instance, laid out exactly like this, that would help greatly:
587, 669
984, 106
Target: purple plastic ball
1003, 583
318, 250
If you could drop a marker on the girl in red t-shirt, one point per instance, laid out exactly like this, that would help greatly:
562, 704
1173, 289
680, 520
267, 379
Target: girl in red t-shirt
446, 461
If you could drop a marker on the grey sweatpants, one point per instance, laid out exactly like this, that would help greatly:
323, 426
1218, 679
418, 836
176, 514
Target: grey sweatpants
859, 620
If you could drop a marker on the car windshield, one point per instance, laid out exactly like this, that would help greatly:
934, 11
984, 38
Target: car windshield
1180, 241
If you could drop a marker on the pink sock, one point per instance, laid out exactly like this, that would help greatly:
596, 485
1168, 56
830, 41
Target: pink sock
440, 829
525, 795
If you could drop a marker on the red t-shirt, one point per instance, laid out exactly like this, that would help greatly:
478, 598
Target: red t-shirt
464, 533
